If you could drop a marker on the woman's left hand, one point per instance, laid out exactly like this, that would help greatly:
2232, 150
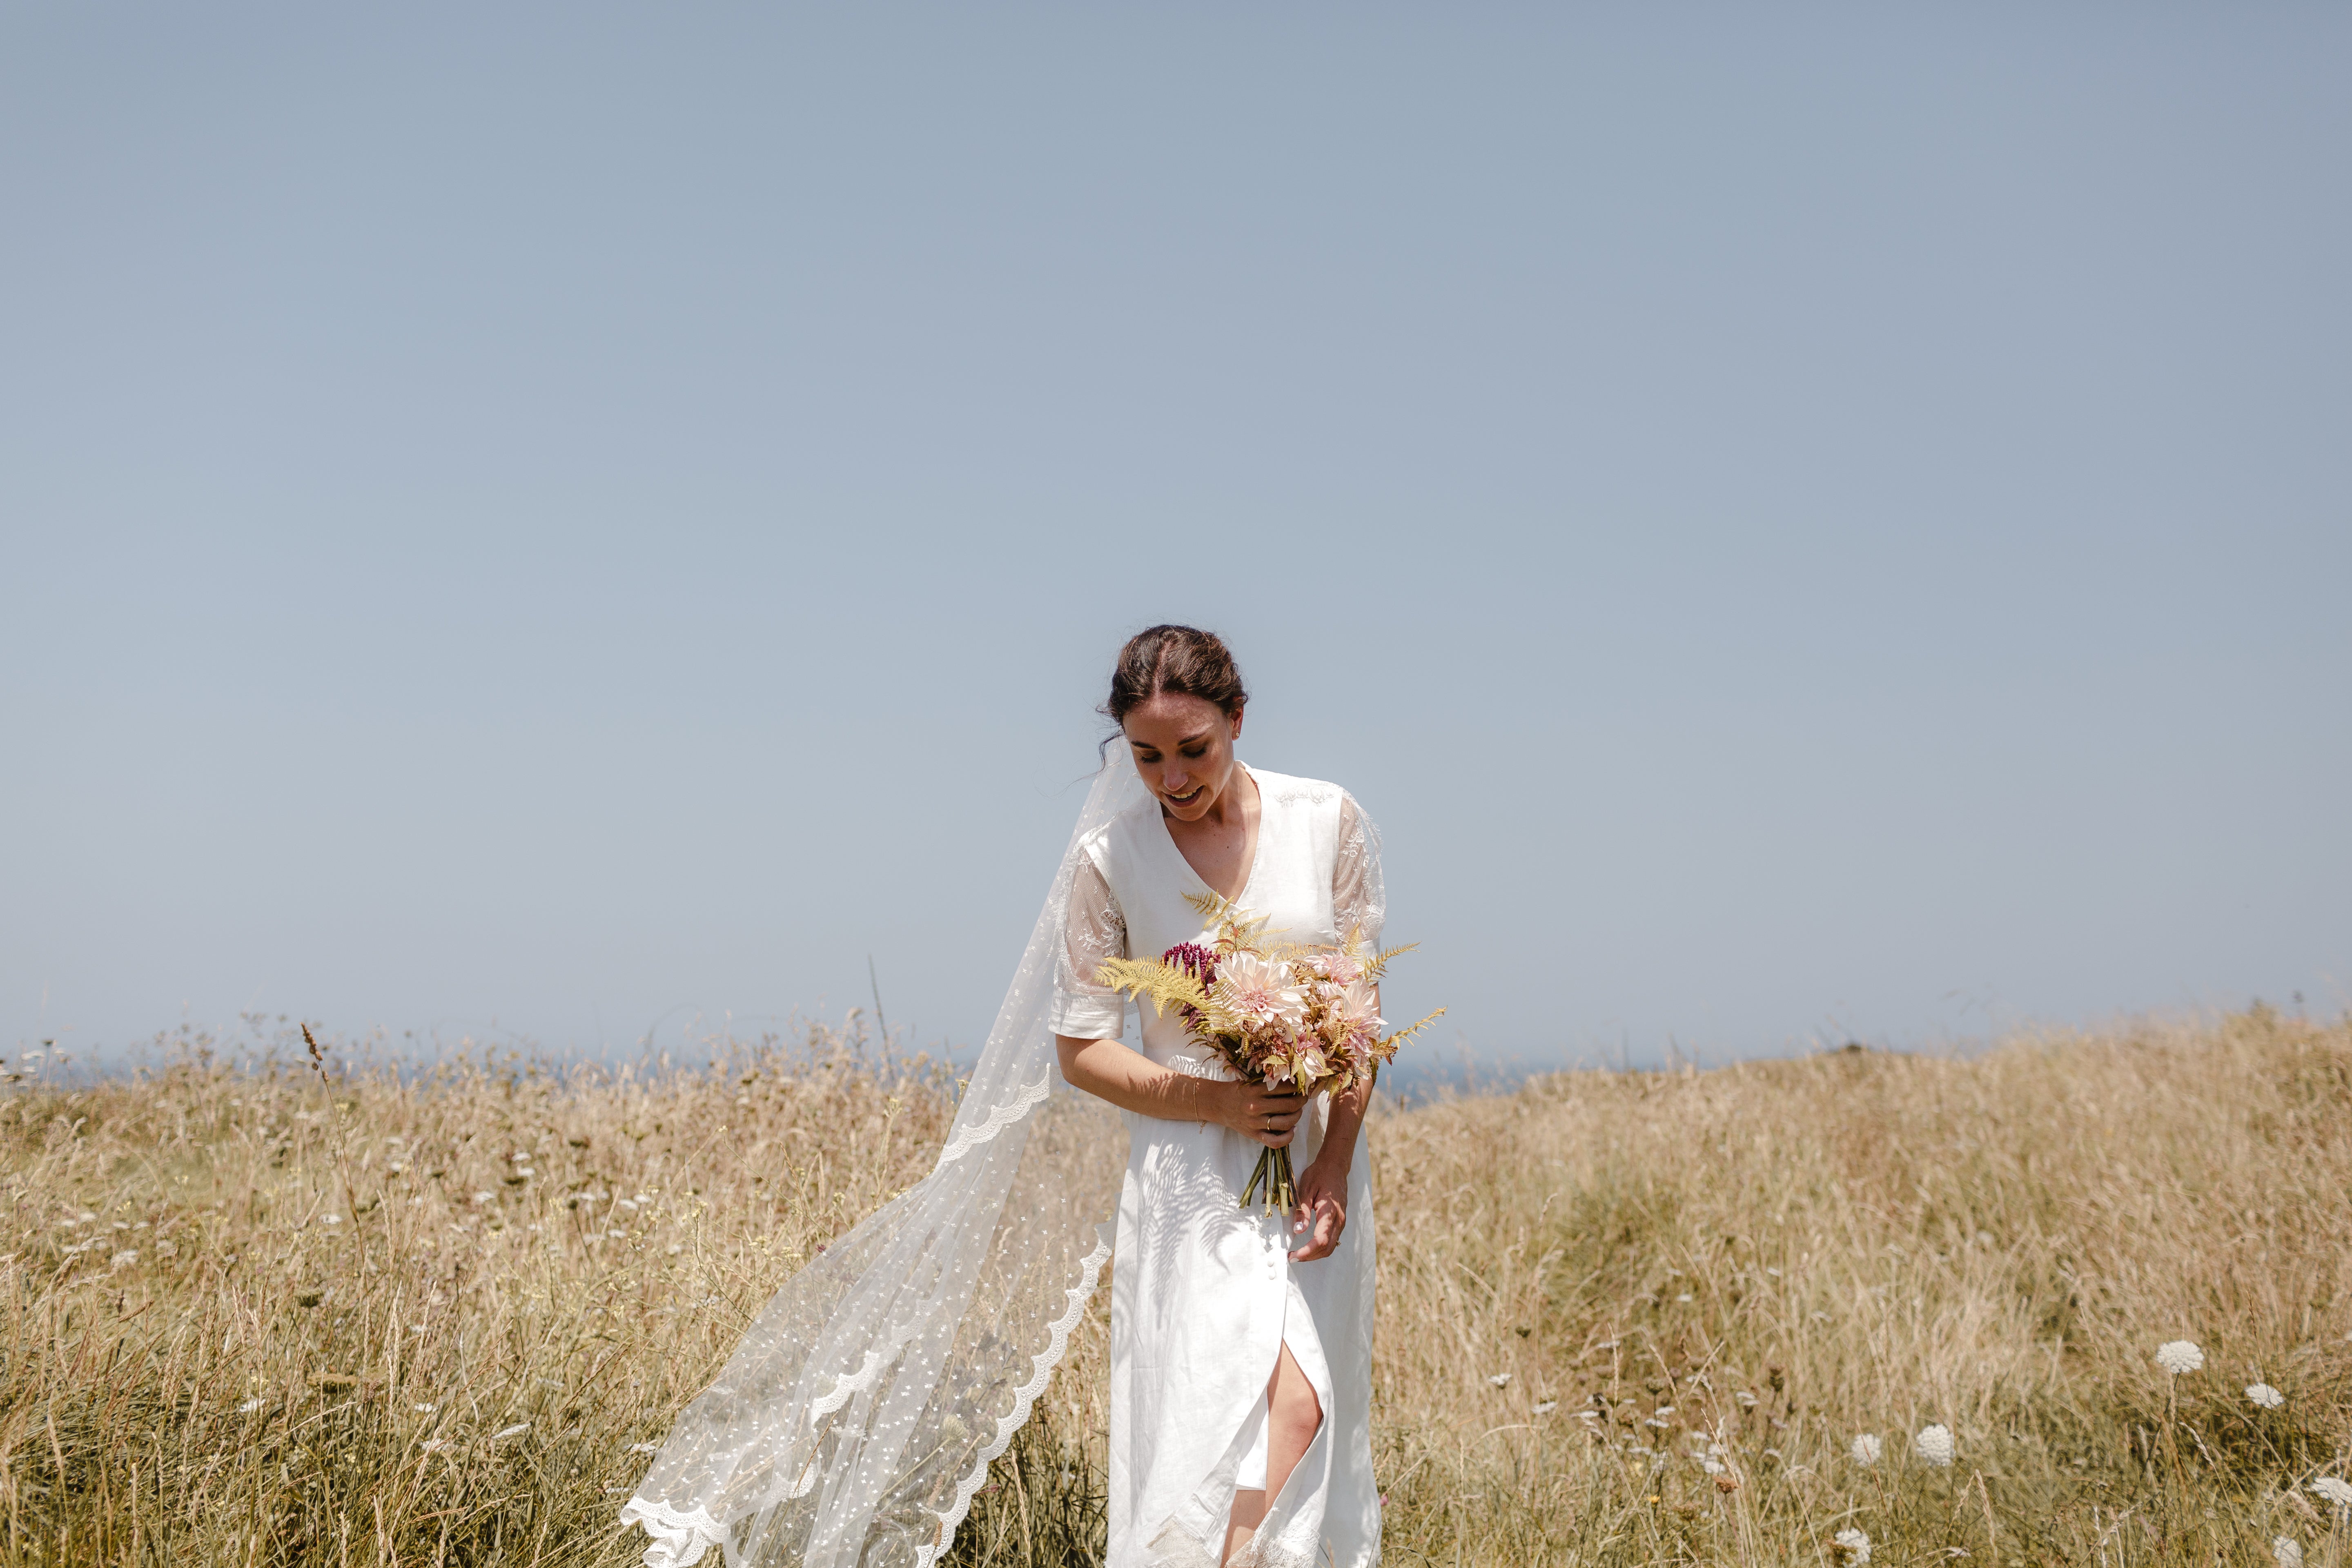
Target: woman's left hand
1322, 1211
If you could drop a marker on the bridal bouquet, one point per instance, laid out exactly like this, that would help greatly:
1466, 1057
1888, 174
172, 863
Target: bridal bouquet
1294, 1019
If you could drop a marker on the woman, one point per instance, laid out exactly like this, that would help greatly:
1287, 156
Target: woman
1241, 1369
859, 1415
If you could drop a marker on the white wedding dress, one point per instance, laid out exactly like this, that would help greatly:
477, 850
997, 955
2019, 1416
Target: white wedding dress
1203, 1294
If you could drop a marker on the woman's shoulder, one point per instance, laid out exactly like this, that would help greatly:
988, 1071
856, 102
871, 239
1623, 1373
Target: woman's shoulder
1113, 847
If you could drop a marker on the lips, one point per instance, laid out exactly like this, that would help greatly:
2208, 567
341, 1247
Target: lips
1188, 797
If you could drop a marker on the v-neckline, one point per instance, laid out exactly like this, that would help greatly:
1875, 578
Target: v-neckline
1257, 842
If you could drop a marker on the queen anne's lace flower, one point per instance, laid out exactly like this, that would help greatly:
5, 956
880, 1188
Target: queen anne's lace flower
1853, 1546
1867, 1449
1934, 1444
2178, 1356
2264, 1395
2338, 1492
2286, 1552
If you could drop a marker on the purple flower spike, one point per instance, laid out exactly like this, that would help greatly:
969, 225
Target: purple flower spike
1200, 963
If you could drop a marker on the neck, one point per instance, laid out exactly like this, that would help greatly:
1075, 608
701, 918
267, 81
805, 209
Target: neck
1228, 808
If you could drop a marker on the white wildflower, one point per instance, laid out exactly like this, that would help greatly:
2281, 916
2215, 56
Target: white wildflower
2286, 1552
2264, 1395
1665, 1410
1714, 1467
1934, 1444
645, 1447
433, 1445
517, 1430
2338, 1492
123, 1258
1867, 1449
1499, 1379
1684, 1297
248, 1408
1545, 1406
425, 1409
334, 1220
1853, 1546
1746, 1401
481, 1198
2178, 1356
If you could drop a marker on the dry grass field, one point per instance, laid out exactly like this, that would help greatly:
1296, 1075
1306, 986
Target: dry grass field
259, 1316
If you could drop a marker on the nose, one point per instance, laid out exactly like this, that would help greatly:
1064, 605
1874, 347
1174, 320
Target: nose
1175, 781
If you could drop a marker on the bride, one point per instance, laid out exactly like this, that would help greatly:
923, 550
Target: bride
861, 1411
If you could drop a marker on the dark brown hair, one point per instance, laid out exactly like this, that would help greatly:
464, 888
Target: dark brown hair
1182, 659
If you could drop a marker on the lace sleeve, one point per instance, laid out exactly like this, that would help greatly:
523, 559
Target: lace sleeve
1358, 899
1093, 929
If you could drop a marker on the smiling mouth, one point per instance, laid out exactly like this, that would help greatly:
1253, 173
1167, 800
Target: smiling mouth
1188, 797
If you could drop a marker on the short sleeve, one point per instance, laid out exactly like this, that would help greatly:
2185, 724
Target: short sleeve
1358, 899
1093, 930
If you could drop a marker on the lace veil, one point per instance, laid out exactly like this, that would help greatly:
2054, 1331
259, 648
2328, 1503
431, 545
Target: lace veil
860, 1413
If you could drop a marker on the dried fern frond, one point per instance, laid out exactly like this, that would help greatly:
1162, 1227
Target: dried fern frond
1163, 983
1211, 904
1380, 961
1402, 1035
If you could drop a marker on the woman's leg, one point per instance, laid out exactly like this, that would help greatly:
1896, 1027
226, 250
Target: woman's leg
1292, 1416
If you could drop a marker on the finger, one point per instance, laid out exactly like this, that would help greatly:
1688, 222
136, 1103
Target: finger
1328, 1223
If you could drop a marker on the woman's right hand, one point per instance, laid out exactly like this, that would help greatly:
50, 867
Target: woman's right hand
1258, 1112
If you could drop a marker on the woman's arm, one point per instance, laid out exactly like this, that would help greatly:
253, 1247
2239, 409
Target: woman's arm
1358, 909
1132, 1082
1322, 1211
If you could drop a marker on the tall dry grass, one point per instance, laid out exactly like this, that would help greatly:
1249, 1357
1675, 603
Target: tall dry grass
254, 1317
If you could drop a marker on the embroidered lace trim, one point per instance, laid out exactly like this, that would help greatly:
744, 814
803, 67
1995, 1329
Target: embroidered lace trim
1040, 1372
1094, 928
972, 1136
678, 1538
681, 1538
1358, 898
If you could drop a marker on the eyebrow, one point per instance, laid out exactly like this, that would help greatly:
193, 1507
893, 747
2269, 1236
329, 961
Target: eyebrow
1189, 739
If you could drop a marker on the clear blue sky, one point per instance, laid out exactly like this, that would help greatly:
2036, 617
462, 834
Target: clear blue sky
1800, 522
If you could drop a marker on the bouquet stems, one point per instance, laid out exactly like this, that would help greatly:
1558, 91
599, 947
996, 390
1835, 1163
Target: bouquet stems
1273, 1172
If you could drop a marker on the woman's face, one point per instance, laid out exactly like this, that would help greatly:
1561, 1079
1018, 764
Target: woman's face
1183, 748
